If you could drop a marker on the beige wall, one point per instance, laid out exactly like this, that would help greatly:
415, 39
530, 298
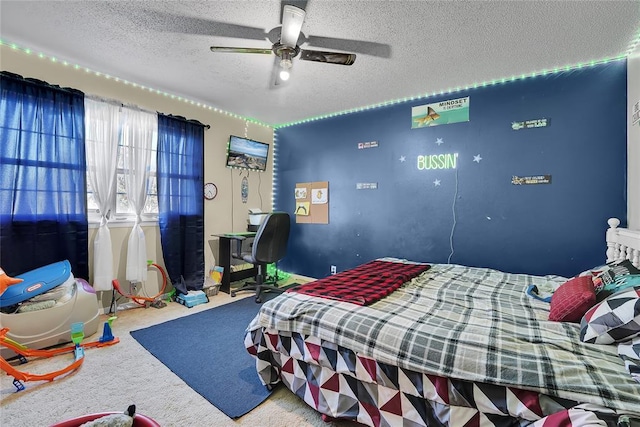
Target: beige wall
223, 214
633, 142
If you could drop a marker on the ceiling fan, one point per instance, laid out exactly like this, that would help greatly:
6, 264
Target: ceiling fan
286, 47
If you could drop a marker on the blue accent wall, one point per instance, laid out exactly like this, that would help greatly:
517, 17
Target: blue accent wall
475, 216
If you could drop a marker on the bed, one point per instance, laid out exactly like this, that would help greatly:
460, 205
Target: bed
451, 345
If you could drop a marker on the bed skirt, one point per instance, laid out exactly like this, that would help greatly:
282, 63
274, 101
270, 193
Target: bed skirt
343, 385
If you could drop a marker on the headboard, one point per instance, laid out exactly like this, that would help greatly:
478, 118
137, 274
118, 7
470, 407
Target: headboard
622, 243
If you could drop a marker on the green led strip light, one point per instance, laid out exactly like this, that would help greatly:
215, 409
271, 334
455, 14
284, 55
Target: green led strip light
27, 51
632, 46
467, 87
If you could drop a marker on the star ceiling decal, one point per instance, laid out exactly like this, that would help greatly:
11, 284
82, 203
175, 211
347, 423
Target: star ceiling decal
439, 141
436, 183
477, 158
403, 159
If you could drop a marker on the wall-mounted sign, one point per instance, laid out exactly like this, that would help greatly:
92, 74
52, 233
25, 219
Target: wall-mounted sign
370, 144
437, 161
440, 113
635, 117
367, 186
531, 180
529, 124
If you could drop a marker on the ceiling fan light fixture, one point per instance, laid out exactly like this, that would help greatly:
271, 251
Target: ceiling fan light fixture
285, 66
284, 75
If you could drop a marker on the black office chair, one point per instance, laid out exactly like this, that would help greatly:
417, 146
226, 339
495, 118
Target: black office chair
269, 246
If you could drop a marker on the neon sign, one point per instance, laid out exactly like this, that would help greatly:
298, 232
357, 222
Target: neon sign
437, 161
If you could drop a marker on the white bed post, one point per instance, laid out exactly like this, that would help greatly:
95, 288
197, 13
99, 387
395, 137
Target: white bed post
622, 243
612, 247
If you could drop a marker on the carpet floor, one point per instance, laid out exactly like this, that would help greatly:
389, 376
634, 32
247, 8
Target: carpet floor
206, 350
114, 377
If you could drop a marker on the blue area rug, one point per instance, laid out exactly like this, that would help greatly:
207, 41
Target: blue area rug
206, 350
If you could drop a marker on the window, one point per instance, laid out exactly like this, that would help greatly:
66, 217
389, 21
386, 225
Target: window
123, 210
107, 123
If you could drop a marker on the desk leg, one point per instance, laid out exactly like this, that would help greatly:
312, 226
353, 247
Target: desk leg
224, 253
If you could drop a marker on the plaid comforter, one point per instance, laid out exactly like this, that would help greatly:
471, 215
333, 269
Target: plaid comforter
364, 284
474, 324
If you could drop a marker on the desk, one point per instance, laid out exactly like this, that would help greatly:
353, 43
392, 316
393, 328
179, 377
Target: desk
224, 253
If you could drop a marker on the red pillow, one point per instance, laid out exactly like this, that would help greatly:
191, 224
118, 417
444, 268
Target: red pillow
572, 300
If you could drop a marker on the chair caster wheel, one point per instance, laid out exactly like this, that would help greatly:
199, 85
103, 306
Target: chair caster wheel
258, 300
233, 294
269, 387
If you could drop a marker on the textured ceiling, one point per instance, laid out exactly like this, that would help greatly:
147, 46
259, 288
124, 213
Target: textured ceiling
404, 48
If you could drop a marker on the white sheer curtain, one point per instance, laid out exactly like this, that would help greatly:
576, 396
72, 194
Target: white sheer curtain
139, 137
102, 124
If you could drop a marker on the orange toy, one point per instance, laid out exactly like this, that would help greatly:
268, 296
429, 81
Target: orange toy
140, 300
6, 281
77, 349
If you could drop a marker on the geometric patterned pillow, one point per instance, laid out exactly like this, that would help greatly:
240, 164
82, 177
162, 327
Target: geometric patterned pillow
629, 351
616, 319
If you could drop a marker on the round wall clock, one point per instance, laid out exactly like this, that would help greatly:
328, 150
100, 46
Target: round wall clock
210, 191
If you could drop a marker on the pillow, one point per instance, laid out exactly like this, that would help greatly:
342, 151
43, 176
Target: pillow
623, 282
572, 300
594, 271
629, 351
616, 319
613, 271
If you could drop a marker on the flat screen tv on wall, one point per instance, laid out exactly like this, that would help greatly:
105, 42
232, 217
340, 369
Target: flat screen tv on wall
247, 154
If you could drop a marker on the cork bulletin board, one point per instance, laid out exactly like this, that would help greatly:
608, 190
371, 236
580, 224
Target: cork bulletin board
312, 202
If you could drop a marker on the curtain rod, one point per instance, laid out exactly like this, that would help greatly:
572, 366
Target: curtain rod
120, 103
39, 83
184, 119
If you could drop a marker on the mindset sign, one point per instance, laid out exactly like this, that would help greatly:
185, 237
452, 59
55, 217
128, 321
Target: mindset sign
440, 113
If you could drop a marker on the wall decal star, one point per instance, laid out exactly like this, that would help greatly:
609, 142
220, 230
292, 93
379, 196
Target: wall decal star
403, 159
439, 141
477, 158
436, 183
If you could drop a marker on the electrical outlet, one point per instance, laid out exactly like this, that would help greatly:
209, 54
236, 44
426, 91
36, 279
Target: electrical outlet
135, 287
333, 269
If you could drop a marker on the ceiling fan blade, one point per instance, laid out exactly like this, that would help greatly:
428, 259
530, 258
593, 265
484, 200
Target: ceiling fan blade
292, 19
240, 49
300, 4
358, 46
178, 23
329, 57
